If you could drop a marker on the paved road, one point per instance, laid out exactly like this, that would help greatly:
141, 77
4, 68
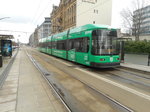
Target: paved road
125, 95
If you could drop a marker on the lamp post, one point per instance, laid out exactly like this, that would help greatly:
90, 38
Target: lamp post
4, 18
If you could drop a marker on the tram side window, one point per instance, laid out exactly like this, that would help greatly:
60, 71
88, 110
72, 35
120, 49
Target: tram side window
71, 44
49, 45
61, 45
46, 44
79, 44
82, 44
54, 45
43, 44
85, 44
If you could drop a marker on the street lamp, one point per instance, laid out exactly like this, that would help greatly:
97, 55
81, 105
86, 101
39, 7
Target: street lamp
4, 18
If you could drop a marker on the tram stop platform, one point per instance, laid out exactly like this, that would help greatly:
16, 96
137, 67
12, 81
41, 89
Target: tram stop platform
136, 67
25, 90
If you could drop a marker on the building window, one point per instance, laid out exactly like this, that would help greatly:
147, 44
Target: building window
95, 11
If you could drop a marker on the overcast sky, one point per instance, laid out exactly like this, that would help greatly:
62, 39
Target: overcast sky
25, 15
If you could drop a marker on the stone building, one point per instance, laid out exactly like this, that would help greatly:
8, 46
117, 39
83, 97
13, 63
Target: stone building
44, 30
74, 13
141, 21
34, 39
64, 16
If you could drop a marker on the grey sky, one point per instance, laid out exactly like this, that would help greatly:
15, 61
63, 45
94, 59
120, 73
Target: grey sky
24, 15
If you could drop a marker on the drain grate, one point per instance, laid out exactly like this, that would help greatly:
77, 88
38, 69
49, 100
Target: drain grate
46, 74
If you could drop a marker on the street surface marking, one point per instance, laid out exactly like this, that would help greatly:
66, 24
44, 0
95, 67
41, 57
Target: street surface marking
118, 85
111, 82
63, 62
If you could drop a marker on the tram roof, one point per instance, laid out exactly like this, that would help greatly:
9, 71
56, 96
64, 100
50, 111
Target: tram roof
89, 27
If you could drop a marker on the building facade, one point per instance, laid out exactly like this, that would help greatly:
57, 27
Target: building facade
34, 39
31, 40
94, 12
74, 13
63, 16
44, 30
141, 20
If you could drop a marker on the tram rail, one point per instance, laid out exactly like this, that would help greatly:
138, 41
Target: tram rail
113, 102
44, 73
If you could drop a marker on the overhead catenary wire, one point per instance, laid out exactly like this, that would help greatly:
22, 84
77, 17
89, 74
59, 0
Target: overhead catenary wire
15, 31
36, 11
40, 14
36, 19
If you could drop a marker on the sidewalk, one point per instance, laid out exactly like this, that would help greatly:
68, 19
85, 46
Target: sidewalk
6, 61
25, 90
136, 67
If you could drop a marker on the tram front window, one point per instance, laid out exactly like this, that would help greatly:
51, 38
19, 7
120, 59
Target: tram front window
104, 42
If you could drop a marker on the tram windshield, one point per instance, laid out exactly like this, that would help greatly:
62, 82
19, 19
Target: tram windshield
104, 42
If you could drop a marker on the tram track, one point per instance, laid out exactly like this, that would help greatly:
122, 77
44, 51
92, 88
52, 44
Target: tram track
129, 77
126, 78
131, 72
120, 107
73, 67
45, 73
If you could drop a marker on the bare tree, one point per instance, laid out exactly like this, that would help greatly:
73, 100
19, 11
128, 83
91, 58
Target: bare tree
133, 18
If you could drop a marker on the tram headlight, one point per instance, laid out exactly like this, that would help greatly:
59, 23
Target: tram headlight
118, 59
102, 59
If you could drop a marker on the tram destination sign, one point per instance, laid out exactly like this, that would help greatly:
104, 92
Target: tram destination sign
90, 1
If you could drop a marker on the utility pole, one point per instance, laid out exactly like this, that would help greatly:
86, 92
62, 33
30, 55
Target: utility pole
122, 51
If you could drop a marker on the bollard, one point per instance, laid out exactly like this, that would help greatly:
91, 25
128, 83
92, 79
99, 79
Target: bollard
122, 51
148, 59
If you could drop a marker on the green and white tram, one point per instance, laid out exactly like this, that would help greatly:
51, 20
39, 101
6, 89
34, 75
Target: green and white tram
91, 45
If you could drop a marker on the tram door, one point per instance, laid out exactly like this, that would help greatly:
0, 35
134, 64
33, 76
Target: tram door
72, 55
71, 50
82, 48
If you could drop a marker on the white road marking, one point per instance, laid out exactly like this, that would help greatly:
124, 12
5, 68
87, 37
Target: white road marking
62, 62
111, 82
117, 84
